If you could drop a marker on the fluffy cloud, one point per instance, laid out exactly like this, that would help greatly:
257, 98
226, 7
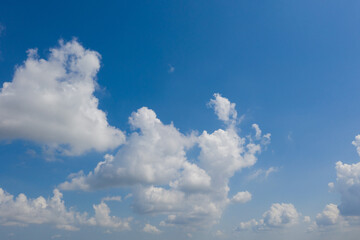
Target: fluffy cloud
151, 229
329, 216
153, 163
51, 101
242, 197
278, 216
348, 185
224, 109
23, 211
102, 218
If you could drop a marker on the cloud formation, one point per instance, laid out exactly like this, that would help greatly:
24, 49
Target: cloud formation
22, 211
50, 101
279, 215
242, 197
151, 229
153, 162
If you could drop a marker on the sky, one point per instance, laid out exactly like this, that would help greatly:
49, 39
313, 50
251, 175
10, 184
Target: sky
179, 119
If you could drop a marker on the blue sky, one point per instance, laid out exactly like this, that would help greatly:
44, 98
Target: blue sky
135, 119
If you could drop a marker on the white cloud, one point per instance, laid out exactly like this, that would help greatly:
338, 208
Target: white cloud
356, 143
113, 198
22, 211
348, 185
329, 216
102, 218
279, 215
261, 173
307, 219
151, 229
219, 233
242, 197
224, 109
51, 101
153, 163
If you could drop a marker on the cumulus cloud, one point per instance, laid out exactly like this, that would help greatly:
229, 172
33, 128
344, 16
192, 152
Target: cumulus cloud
348, 185
224, 109
102, 218
356, 143
22, 211
241, 197
51, 101
151, 229
329, 216
279, 215
153, 162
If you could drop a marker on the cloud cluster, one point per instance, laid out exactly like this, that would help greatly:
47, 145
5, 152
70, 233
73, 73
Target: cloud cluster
23, 211
329, 216
153, 161
51, 101
151, 229
279, 215
348, 185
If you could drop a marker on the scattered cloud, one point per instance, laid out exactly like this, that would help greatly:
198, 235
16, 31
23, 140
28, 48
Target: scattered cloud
261, 173
329, 216
241, 197
151, 229
153, 163
279, 215
113, 198
224, 109
348, 185
219, 233
21, 211
51, 101
307, 219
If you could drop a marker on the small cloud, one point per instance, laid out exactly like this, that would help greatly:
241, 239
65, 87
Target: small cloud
113, 198
189, 235
261, 173
290, 137
151, 229
56, 236
171, 68
128, 196
307, 219
241, 197
31, 152
219, 233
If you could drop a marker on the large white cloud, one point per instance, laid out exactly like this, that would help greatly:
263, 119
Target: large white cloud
51, 101
23, 211
348, 185
153, 162
279, 215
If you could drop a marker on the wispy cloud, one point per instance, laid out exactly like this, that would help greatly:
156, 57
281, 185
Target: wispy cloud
171, 68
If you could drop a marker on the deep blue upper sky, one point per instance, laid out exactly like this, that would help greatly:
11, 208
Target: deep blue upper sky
290, 66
